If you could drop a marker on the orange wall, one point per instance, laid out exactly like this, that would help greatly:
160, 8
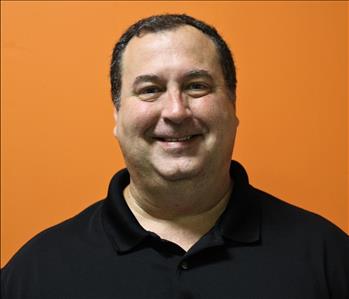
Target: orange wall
58, 151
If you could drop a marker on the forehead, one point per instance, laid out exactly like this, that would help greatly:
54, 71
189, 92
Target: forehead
182, 47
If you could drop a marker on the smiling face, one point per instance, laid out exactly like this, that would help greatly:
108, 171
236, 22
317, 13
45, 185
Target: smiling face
177, 119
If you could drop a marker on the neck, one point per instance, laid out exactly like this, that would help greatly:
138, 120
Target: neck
180, 212
177, 199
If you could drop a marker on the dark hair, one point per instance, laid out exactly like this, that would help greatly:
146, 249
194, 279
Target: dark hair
167, 22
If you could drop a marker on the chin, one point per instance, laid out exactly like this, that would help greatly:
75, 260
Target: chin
182, 170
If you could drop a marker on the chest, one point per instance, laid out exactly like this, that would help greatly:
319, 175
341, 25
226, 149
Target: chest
165, 271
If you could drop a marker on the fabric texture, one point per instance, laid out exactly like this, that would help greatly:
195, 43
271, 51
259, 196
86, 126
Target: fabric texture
260, 248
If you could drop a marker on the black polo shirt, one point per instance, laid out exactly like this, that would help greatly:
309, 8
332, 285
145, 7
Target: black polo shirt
260, 248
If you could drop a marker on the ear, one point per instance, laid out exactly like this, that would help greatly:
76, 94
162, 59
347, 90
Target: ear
115, 113
237, 121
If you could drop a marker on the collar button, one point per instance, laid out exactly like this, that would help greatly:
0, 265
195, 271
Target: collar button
184, 265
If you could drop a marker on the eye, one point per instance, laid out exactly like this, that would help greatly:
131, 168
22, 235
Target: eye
197, 86
198, 89
150, 89
149, 93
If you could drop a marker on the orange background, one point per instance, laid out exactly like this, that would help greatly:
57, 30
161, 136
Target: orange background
58, 151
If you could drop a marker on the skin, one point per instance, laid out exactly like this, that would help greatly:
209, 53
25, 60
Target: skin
176, 128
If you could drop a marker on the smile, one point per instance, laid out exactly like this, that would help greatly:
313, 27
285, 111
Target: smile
177, 139
176, 145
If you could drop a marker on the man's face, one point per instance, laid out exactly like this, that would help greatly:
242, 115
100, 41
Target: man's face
176, 119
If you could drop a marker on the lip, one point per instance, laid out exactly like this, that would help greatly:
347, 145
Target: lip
171, 143
182, 138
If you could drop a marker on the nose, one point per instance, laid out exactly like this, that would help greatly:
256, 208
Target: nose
176, 107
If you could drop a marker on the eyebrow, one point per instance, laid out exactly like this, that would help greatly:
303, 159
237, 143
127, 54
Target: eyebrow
187, 76
198, 74
146, 78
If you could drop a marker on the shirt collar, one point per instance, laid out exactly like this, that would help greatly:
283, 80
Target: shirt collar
119, 222
240, 221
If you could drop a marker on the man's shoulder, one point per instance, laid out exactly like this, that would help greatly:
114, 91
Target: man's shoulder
69, 228
281, 216
61, 237
62, 252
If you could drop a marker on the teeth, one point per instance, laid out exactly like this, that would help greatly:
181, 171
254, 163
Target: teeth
177, 139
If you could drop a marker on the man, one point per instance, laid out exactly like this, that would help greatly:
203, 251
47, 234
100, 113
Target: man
182, 221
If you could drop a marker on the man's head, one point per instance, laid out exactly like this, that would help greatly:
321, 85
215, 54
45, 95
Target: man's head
162, 23
176, 121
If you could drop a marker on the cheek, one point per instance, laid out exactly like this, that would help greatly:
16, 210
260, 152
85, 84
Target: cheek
137, 118
216, 111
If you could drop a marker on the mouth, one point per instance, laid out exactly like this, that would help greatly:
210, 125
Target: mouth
178, 145
176, 139
180, 139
